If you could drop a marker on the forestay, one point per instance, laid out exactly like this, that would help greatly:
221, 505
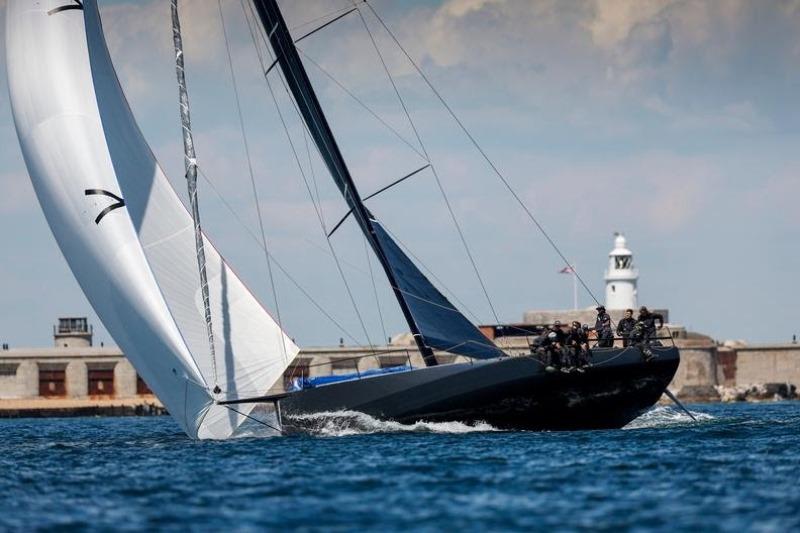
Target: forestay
123, 230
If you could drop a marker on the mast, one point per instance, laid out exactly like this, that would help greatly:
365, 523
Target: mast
300, 85
191, 182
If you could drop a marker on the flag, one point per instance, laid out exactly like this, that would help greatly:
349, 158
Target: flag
567, 270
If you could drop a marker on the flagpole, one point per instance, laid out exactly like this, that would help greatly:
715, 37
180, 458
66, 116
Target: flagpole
574, 289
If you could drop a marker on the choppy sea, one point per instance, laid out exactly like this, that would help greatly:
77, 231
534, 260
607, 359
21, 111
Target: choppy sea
736, 468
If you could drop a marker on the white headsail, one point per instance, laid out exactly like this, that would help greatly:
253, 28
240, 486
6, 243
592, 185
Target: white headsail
122, 228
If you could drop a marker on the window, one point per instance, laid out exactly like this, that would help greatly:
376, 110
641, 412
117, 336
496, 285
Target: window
387, 361
8, 369
101, 379
345, 366
73, 325
52, 380
623, 262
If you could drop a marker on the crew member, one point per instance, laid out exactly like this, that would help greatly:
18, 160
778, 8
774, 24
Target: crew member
553, 344
559, 331
647, 329
625, 327
577, 344
605, 335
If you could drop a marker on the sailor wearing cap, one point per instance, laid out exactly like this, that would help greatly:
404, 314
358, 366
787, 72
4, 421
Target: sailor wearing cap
605, 334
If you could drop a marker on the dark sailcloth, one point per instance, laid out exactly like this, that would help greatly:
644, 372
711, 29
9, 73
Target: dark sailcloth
442, 325
434, 321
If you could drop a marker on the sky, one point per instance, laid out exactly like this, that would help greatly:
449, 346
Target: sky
676, 122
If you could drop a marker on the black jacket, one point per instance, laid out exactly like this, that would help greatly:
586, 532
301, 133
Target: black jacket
560, 335
625, 326
603, 322
576, 337
648, 322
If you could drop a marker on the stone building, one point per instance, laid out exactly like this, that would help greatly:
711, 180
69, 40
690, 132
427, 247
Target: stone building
76, 370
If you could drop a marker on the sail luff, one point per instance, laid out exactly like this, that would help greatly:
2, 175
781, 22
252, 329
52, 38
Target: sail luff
190, 161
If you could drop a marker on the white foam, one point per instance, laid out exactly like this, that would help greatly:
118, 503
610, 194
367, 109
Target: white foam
344, 423
666, 416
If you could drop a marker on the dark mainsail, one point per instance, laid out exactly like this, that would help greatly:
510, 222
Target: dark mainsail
442, 325
434, 321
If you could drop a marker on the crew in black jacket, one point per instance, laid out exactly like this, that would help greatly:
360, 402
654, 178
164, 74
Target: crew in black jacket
645, 329
577, 344
605, 335
553, 345
625, 327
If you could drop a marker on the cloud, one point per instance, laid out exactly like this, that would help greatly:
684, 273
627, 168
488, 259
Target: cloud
647, 44
741, 117
659, 192
137, 32
614, 20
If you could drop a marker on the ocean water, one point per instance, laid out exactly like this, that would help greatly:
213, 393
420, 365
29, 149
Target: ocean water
737, 468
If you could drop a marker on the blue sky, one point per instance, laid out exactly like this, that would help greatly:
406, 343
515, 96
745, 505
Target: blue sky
674, 121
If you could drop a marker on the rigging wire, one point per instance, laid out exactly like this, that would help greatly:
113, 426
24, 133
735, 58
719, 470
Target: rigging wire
330, 76
432, 274
361, 103
400, 137
253, 181
432, 166
333, 13
302, 173
451, 294
485, 156
277, 263
253, 419
374, 287
313, 174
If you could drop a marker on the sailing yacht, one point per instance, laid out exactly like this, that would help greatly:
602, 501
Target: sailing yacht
190, 326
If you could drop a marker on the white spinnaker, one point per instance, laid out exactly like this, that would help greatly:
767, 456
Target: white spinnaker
137, 266
252, 351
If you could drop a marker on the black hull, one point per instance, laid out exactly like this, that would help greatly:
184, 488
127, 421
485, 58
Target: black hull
510, 393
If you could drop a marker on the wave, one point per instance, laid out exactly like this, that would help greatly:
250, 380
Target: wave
667, 416
346, 423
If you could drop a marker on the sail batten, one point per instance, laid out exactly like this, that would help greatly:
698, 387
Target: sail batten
431, 328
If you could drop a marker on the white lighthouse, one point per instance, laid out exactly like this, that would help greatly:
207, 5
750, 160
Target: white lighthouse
621, 276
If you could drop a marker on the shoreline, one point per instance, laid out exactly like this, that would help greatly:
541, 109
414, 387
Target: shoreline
90, 407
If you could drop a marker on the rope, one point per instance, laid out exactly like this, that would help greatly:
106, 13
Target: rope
481, 151
321, 17
433, 167
253, 182
311, 170
254, 419
361, 103
430, 272
305, 180
285, 272
374, 287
